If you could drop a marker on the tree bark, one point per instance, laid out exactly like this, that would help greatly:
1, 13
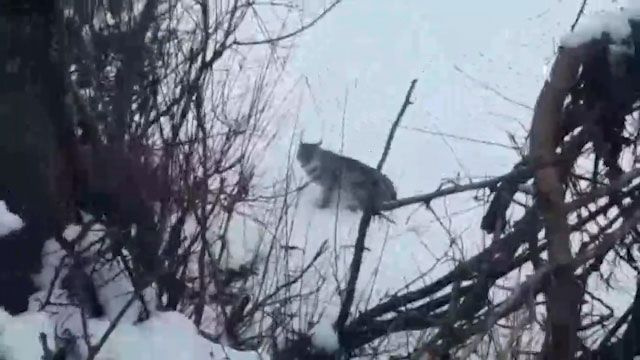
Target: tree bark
32, 142
564, 291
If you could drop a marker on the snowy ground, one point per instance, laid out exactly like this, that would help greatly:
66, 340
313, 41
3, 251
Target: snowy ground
165, 336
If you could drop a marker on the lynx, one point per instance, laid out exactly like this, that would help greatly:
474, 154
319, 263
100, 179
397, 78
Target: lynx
364, 186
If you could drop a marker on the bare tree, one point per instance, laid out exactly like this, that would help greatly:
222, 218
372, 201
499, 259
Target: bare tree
150, 117
146, 116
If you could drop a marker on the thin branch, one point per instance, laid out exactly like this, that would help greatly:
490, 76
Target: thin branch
259, 304
396, 123
94, 350
492, 89
291, 34
354, 271
459, 137
454, 189
620, 322
579, 14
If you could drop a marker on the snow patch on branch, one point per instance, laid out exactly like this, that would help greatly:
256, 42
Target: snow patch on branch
324, 337
615, 24
9, 221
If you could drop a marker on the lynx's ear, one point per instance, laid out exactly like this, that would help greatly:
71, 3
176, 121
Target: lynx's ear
301, 142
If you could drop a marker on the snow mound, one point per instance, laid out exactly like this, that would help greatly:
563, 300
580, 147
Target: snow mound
9, 221
165, 336
20, 335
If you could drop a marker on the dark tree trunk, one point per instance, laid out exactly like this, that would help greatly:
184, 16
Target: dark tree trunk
31, 138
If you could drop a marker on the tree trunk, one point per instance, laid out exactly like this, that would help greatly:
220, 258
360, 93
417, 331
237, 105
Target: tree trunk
563, 292
31, 118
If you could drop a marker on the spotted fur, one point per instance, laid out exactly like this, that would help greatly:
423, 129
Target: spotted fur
359, 185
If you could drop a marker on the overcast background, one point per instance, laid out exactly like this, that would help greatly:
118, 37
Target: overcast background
479, 67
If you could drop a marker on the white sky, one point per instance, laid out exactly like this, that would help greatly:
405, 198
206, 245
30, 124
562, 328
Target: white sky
372, 49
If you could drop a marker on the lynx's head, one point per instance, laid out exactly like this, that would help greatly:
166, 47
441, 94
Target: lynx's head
307, 151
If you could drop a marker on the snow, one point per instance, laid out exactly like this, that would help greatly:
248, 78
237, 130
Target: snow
9, 221
52, 256
113, 286
616, 24
114, 290
166, 335
324, 337
243, 240
20, 335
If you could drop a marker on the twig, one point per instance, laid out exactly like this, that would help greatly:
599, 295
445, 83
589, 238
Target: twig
459, 137
492, 89
454, 189
94, 350
259, 304
47, 353
579, 15
619, 323
293, 33
396, 123
354, 271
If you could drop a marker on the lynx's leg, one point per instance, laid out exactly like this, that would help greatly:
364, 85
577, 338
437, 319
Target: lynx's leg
328, 190
330, 185
350, 199
361, 195
325, 198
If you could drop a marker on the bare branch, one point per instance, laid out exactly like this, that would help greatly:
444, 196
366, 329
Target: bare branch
579, 15
564, 294
291, 34
396, 123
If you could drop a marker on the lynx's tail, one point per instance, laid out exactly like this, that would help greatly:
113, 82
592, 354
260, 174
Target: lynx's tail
388, 188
